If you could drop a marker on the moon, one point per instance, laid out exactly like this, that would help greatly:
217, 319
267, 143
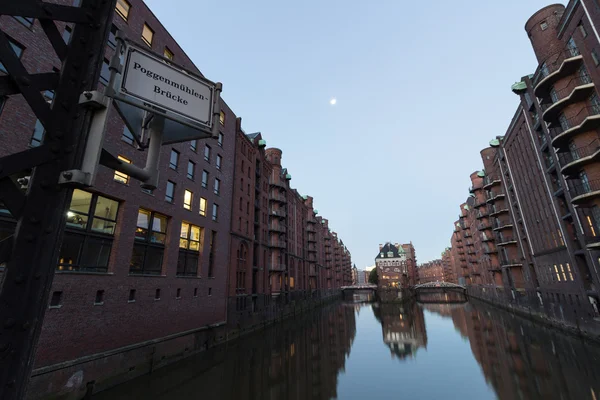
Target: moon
333, 101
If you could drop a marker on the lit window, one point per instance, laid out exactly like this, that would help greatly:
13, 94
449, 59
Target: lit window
120, 176
556, 271
570, 272
190, 244
194, 145
18, 49
187, 200
147, 35
204, 179
219, 160
174, 160
215, 212
123, 8
191, 170
149, 246
217, 186
127, 136
203, 206
220, 139
91, 222
168, 54
38, 134
207, 153
221, 117
170, 192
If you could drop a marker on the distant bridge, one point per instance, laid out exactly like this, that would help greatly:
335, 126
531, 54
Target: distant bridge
438, 285
359, 287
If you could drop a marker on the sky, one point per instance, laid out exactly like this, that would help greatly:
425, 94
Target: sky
421, 89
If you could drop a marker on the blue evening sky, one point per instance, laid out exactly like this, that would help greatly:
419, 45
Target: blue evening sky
421, 88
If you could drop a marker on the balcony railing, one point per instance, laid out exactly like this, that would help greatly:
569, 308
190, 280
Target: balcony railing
482, 213
277, 197
277, 267
483, 226
311, 220
552, 64
510, 261
580, 188
576, 120
278, 213
278, 244
579, 152
278, 184
310, 228
567, 89
277, 228
490, 180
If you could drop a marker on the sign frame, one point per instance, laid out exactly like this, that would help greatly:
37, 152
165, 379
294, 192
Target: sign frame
118, 80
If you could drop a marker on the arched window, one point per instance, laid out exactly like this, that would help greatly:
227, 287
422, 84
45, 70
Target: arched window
242, 257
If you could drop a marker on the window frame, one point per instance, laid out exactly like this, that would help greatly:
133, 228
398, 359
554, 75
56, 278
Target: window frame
177, 155
204, 182
167, 52
123, 14
218, 161
146, 41
121, 177
215, 212
217, 187
172, 197
148, 245
202, 210
15, 46
188, 205
191, 176
186, 252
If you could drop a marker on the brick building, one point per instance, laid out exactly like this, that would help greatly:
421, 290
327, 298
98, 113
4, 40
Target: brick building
140, 267
396, 265
539, 240
432, 271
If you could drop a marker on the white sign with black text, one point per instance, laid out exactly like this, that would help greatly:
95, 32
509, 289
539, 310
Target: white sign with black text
159, 84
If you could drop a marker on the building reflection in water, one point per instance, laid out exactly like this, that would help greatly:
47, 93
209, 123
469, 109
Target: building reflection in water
522, 360
403, 327
297, 359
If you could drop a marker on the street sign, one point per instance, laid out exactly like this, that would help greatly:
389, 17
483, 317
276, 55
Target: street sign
149, 82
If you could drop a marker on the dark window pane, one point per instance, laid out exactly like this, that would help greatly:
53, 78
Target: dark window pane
70, 251
38, 134
96, 253
27, 21
18, 51
105, 72
137, 259
127, 136
67, 34
112, 39
153, 262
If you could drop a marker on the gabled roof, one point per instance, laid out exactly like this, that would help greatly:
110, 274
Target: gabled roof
390, 248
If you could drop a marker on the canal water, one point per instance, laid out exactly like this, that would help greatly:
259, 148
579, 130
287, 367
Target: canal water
384, 351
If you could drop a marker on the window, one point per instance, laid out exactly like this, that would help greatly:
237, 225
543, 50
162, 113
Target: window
2, 102
67, 34
211, 256
595, 103
585, 183
91, 221
27, 21
105, 72
56, 300
38, 134
207, 153
584, 76
149, 246
170, 192
147, 35
595, 57
157, 294
582, 29
112, 37
99, 300
190, 245
553, 94
195, 292
194, 145
572, 47
123, 8
215, 212
570, 272
221, 117
174, 160
242, 257
120, 176
573, 150
127, 136
219, 160
168, 53
131, 298
544, 25
203, 206
204, 179
217, 186
17, 48
187, 199
220, 139
191, 170
564, 122
178, 295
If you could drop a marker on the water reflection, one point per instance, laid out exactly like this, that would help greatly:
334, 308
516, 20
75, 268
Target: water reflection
298, 359
403, 328
522, 360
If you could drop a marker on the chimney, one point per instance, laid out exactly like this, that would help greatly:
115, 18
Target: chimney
380, 247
